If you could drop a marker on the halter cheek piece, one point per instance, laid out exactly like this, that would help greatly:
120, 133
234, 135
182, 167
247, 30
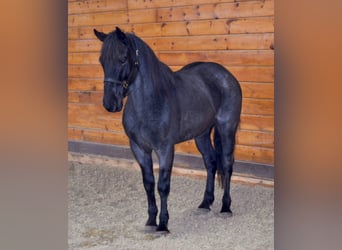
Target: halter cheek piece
131, 77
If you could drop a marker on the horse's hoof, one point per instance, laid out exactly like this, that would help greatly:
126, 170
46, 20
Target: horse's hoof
163, 229
151, 223
204, 205
226, 214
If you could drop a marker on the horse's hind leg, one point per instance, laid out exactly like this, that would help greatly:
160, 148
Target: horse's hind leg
205, 147
225, 141
145, 161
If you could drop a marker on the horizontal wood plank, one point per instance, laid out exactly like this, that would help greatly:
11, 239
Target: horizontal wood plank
90, 109
257, 106
85, 71
86, 32
206, 27
262, 122
257, 122
106, 137
184, 13
143, 16
249, 153
242, 73
216, 11
91, 6
84, 112
227, 58
212, 42
94, 117
255, 138
92, 19
257, 90
85, 96
182, 28
255, 154
143, 4
248, 121
249, 106
77, 84
75, 134
249, 89
189, 43
248, 73
101, 124
253, 73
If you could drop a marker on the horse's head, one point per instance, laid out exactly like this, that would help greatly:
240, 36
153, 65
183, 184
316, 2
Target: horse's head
118, 63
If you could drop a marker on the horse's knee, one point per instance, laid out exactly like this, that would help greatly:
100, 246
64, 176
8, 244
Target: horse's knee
149, 186
228, 162
163, 188
210, 163
164, 179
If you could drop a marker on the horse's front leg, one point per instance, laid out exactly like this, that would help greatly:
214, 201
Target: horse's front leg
145, 161
165, 167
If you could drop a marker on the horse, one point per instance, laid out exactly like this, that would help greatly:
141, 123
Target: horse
164, 108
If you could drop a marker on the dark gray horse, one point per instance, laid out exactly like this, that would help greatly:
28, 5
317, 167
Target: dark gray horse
164, 108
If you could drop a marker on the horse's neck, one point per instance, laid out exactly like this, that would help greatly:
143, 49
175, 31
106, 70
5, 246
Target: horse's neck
152, 76
150, 88
144, 95
149, 94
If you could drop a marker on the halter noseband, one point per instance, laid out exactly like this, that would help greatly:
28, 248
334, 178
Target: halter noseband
124, 83
132, 75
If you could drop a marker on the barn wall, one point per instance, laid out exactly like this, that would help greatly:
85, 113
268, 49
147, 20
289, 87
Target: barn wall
236, 34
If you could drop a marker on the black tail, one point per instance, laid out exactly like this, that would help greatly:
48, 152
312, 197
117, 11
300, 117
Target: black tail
218, 150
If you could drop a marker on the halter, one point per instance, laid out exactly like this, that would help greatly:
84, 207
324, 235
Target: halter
132, 75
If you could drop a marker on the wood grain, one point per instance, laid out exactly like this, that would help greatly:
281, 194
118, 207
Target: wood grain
261, 41
227, 58
180, 28
92, 6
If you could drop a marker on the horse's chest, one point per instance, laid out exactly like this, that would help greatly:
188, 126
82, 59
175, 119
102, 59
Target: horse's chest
144, 131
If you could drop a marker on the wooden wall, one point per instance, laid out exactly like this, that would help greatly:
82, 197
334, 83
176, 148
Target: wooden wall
238, 34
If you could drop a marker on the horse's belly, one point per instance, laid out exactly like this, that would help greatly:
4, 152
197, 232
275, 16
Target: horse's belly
197, 113
194, 124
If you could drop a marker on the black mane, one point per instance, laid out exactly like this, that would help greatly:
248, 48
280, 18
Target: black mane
160, 74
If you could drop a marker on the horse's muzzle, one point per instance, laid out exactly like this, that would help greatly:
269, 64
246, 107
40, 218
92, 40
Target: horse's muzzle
114, 108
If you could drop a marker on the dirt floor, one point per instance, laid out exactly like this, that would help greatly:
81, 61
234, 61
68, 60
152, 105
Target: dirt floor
108, 209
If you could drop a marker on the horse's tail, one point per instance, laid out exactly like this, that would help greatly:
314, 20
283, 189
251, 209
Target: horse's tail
218, 150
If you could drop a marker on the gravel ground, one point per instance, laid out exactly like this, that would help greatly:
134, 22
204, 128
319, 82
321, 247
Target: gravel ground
108, 209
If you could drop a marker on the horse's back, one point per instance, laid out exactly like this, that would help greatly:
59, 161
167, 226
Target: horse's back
215, 76
224, 88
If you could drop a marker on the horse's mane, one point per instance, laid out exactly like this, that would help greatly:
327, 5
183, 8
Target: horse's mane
160, 75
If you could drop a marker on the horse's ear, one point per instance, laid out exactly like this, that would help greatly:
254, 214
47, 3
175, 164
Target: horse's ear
121, 35
100, 35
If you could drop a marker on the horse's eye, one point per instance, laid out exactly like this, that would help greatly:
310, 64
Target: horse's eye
123, 59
